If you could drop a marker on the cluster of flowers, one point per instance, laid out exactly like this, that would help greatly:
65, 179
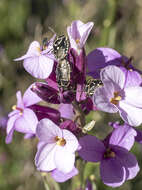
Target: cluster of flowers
61, 131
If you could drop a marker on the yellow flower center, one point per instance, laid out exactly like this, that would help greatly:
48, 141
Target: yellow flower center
60, 141
77, 41
109, 154
17, 108
116, 98
38, 49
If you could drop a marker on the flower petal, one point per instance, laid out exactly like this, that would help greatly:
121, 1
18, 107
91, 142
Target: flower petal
29, 97
102, 97
39, 66
10, 127
130, 114
139, 136
85, 30
27, 122
112, 172
123, 136
64, 160
133, 96
34, 50
62, 177
133, 78
113, 74
20, 103
44, 158
92, 149
71, 141
100, 58
131, 165
79, 31
47, 131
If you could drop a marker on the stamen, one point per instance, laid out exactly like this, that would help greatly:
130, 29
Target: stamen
127, 63
109, 154
38, 49
77, 41
14, 107
116, 98
60, 141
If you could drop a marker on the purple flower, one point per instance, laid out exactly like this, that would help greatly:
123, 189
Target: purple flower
102, 57
56, 148
37, 61
22, 119
138, 137
78, 33
117, 164
116, 96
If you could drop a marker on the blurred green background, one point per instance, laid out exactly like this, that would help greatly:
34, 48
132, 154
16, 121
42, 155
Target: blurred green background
117, 24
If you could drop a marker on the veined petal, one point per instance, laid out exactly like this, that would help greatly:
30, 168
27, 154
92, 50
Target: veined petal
112, 172
113, 74
102, 97
27, 122
29, 97
100, 58
47, 131
92, 149
130, 114
62, 177
64, 160
34, 50
10, 127
39, 66
44, 158
133, 96
123, 136
20, 103
85, 30
133, 78
130, 163
71, 141
78, 33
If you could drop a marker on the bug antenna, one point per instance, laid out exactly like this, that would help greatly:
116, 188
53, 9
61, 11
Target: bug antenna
51, 29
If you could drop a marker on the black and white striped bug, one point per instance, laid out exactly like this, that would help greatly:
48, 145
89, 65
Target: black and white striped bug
91, 86
61, 47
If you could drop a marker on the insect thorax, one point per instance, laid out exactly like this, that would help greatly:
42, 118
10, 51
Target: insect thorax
92, 85
60, 47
